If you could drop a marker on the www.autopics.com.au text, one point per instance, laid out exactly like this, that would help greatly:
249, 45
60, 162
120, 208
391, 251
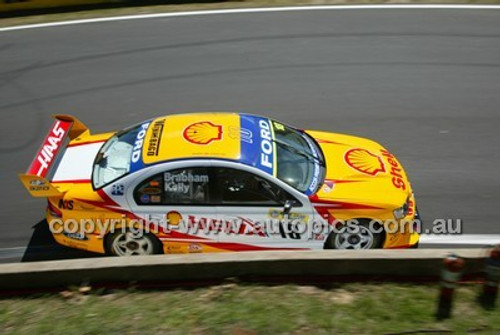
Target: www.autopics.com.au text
295, 228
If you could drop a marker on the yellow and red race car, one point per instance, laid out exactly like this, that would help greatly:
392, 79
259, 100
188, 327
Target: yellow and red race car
213, 182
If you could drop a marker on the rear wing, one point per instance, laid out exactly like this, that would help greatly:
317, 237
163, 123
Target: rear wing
36, 178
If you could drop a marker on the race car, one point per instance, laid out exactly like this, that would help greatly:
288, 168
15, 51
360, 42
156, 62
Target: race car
218, 182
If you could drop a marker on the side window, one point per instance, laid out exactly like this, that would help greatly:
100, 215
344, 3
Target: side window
186, 186
237, 187
189, 186
150, 191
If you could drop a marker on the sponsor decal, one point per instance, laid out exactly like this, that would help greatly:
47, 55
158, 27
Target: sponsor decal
174, 218
278, 214
37, 182
154, 140
173, 249
396, 170
194, 247
364, 161
155, 199
151, 190
76, 236
257, 146
145, 198
317, 169
38, 185
241, 226
202, 133
49, 149
39, 188
65, 204
136, 162
266, 145
328, 186
278, 126
117, 189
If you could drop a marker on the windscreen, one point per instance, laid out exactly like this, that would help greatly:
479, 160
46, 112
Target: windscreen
300, 161
114, 158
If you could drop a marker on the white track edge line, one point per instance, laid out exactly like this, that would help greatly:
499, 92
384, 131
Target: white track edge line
242, 11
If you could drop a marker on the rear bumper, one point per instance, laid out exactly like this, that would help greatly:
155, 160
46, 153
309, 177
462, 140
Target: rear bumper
89, 242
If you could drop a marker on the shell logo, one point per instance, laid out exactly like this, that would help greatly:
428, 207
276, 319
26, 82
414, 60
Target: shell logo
364, 161
203, 132
174, 218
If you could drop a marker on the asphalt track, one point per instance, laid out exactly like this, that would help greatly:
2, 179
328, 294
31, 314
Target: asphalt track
423, 82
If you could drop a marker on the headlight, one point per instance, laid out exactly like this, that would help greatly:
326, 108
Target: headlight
402, 211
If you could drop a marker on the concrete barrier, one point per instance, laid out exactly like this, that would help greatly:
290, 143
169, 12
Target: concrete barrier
308, 266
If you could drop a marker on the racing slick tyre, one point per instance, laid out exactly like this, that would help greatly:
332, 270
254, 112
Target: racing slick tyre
125, 243
355, 235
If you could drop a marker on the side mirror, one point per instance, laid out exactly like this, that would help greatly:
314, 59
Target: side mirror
288, 206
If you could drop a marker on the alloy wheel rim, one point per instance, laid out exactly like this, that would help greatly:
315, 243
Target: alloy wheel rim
126, 244
358, 237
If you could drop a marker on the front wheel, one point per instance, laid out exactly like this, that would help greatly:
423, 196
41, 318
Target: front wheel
355, 236
129, 244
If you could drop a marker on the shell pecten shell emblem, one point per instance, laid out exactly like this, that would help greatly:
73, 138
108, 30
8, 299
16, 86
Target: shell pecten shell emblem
173, 217
202, 132
364, 161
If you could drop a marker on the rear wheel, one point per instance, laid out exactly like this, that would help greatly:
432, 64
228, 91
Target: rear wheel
129, 244
355, 236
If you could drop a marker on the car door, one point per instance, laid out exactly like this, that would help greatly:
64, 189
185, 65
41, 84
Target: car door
177, 199
253, 205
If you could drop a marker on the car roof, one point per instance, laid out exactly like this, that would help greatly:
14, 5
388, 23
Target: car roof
244, 138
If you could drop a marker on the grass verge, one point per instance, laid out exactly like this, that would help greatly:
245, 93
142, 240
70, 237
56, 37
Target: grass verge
249, 309
96, 13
